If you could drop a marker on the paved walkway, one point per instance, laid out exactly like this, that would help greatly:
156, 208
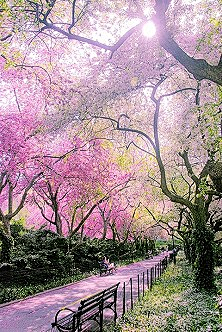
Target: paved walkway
36, 313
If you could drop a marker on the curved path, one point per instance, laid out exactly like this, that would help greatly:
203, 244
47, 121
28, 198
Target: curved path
36, 313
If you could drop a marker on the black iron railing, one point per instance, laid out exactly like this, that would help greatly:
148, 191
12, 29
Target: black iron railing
135, 288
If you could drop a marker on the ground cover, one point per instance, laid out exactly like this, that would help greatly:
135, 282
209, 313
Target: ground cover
174, 305
16, 292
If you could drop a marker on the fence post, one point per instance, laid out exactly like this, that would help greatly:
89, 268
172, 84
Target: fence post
101, 317
124, 298
147, 279
143, 283
151, 277
155, 272
131, 292
138, 286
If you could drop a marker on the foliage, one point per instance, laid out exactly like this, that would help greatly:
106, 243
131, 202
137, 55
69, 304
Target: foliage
173, 304
43, 248
42, 260
218, 254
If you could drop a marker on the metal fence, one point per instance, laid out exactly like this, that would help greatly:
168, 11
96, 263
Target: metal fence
131, 291
135, 288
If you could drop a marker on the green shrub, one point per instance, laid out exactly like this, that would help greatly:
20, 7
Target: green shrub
218, 254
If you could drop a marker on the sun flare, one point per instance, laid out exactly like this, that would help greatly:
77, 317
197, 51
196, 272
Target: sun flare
149, 29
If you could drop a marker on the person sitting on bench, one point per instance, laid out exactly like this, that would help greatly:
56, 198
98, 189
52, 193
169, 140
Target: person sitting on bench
109, 266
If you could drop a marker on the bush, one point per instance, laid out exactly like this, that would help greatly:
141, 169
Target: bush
218, 254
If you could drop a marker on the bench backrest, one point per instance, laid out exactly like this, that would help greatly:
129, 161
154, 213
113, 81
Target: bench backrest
89, 309
103, 295
92, 308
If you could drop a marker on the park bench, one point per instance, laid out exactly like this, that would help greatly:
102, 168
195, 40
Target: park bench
90, 314
104, 269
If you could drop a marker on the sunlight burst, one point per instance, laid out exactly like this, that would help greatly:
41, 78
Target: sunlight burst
149, 29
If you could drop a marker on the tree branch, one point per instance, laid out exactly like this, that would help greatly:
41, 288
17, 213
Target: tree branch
22, 201
199, 68
191, 174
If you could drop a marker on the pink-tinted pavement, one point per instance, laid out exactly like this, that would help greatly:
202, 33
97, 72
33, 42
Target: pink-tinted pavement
36, 313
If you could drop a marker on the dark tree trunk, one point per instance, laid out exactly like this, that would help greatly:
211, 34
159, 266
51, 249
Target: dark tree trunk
7, 245
203, 251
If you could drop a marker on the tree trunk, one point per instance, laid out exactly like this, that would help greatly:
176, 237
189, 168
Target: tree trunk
105, 226
7, 245
187, 243
58, 223
6, 225
203, 254
82, 233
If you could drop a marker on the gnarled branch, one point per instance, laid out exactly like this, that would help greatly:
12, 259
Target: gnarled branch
199, 68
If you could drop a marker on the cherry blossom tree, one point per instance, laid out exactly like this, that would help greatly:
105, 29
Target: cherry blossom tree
114, 218
21, 121
52, 20
18, 147
77, 177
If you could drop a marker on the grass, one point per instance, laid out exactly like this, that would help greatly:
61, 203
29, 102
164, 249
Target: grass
174, 305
